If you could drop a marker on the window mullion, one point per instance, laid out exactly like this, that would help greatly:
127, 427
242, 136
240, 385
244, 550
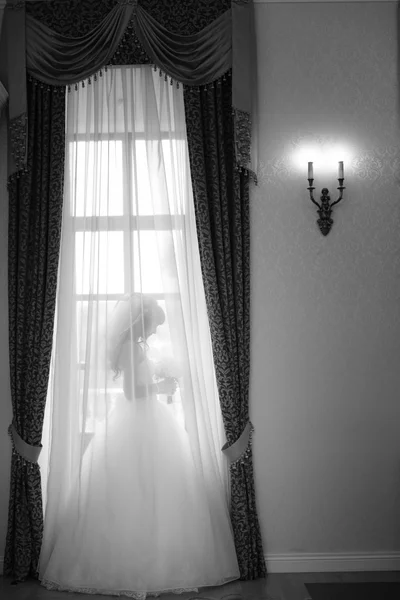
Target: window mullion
127, 211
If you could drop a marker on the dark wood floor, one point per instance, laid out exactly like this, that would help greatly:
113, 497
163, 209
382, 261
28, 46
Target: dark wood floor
277, 586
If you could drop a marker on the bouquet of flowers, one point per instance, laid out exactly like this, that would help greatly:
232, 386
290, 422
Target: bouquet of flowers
167, 369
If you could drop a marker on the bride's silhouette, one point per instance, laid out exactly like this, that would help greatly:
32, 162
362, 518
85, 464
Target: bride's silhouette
140, 521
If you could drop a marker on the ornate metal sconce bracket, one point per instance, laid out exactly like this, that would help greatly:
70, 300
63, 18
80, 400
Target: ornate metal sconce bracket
325, 221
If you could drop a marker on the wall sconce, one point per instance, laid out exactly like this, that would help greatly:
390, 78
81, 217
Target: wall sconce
325, 208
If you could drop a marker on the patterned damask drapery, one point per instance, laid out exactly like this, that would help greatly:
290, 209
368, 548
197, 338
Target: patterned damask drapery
34, 229
221, 196
207, 48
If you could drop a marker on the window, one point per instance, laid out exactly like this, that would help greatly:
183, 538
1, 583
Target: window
122, 226
128, 226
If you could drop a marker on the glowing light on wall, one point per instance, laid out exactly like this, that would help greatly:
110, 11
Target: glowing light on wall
325, 158
317, 160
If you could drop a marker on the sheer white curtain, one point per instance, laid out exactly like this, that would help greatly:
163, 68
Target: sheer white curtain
137, 486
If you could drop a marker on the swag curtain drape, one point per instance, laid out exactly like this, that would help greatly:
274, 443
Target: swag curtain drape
223, 192
197, 58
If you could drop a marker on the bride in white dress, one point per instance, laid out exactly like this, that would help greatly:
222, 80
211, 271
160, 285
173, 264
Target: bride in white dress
141, 522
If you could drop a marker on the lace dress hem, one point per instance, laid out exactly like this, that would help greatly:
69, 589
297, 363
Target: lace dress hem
137, 595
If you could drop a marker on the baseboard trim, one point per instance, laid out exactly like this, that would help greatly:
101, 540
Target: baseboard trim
323, 562
332, 562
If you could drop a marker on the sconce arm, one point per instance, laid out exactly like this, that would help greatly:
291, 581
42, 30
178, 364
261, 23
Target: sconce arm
340, 188
310, 189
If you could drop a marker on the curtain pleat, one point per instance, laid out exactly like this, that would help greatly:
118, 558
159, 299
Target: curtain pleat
57, 59
35, 204
198, 58
221, 197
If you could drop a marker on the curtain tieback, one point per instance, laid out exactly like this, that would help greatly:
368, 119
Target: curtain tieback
26, 451
239, 449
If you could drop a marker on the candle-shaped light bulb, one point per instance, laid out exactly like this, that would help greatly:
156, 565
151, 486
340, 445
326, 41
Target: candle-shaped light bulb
341, 175
310, 171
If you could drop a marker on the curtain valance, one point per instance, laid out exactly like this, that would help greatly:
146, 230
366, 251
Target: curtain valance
195, 59
29, 46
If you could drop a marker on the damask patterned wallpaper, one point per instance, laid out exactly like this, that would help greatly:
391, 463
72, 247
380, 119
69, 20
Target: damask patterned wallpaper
325, 373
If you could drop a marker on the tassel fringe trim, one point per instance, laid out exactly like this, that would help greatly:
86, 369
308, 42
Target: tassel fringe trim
242, 120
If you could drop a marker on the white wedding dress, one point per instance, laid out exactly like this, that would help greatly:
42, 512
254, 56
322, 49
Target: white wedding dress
143, 523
